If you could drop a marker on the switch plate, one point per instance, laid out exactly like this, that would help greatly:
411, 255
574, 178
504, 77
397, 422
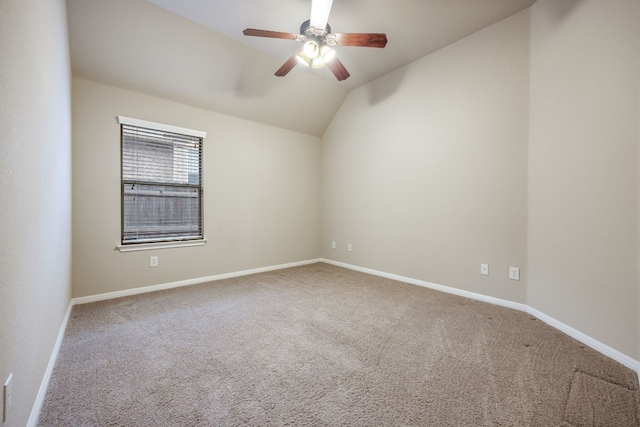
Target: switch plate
484, 269
7, 395
153, 261
349, 247
514, 273
333, 244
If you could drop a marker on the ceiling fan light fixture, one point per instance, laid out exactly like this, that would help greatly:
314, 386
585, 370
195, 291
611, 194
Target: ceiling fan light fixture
327, 54
317, 39
315, 54
311, 49
303, 59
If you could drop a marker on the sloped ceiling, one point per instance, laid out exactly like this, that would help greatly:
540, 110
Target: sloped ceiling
193, 51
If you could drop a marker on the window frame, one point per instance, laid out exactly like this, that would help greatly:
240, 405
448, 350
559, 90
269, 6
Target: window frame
159, 243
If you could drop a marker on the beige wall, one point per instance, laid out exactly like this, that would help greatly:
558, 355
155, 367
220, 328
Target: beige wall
515, 146
261, 194
480, 152
35, 190
425, 169
583, 167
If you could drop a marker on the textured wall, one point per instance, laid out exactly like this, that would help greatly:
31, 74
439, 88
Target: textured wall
35, 192
261, 194
583, 167
515, 146
424, 170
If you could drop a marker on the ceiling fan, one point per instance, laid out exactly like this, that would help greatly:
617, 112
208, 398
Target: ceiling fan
318, 39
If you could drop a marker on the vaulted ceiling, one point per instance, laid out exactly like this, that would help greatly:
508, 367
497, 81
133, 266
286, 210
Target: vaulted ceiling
194, 52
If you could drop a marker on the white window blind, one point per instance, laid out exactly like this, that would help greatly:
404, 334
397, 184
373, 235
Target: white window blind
161, 184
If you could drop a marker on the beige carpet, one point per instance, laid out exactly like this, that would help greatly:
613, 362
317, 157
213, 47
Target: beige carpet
324, 346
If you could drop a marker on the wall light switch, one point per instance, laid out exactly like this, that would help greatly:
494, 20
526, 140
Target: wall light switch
484, 269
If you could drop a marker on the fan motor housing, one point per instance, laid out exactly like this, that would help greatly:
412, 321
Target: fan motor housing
307, 30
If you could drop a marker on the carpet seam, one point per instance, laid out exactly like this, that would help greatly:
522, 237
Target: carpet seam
623, 386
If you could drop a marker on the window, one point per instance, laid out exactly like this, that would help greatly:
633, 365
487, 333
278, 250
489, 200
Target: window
161, 183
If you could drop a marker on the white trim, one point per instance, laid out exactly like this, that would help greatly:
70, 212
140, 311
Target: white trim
160, 245
573, 333
447, 289
585, 339
44, 385
37, 406
160, 126
171, 285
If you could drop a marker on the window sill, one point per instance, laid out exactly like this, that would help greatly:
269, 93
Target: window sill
160, 245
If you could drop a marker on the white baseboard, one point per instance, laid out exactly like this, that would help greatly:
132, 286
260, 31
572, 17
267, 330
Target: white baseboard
573, 333
171, 285
585, 339
42, 391
447, 289
37, 406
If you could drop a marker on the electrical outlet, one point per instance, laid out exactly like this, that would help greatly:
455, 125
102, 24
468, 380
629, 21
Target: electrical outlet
7, 394
153, 261
514, 273
484, 269
333, 244
349, 247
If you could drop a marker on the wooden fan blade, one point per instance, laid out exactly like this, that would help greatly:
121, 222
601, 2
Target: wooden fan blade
361, 39
270, 34
338, 69
288, 65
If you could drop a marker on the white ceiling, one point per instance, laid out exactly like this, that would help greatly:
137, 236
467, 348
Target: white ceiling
193, 51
